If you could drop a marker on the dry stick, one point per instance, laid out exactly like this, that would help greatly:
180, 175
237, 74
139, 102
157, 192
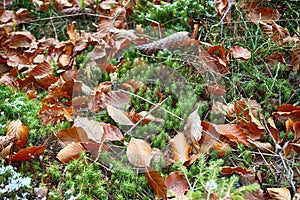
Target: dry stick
158, 24
144, 117
230, 3
288, 168
152, 104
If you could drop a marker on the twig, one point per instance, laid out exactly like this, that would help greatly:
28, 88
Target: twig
230, 3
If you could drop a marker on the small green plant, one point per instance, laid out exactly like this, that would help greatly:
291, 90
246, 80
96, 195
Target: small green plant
205, 180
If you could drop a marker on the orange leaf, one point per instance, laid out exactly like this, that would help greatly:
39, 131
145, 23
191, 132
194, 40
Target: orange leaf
27, 153
156, 181
70, 152
18, 130
177, 182
139, 152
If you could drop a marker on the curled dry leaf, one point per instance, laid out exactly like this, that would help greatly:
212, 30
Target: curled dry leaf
27, 153
6, 140
262, 14
180, 148
133, 85
119, 116
221, 148
93, 130
296, 128
139, 152
296, 59
135, 117
236, 170
17, 129
288, 111
156, 182
54, 113
70, 152
177, 182
279, 193
273, 129
240, 53
264, 147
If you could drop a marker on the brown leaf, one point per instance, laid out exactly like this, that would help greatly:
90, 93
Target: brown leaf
296, 128
264, 147
135, 117
233, 132
107, 4
279, 33
192, 127
288, 111
70, 152
279, 193
20, 39
93, 130
216, 89
6, 15
276, 57
221, 148
221, 7
111, 133
262, 14
296, 59
273, 129
133, 85
118, 99
240, 53
72, 33
156, 181
119, 116
73, 134
236, 170
139, 152
180, 148
54, 113
17, 129
178, 183
27, 153
6, 140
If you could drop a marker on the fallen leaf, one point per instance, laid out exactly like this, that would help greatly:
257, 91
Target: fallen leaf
240, 53
93, 130
180, 148
273, 129
70, 152
296, 128
156, 182
192, 127
119, 116
296, 59
236, 170
279, 193
139, 152
17, 129
27, 153
262, 14
177, 182
6, 140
